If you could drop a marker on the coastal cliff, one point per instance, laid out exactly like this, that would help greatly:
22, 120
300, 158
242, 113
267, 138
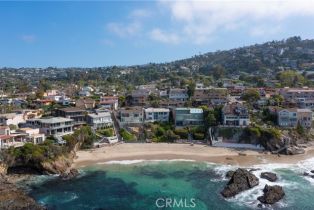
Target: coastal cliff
12, 198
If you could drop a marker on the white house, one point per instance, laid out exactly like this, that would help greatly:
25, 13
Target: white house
11, 119
132, 115
57, 126
99, 120
156, 115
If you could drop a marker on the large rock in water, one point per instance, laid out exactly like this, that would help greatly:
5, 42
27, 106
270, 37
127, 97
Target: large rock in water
70, 174
240, 181
272, 177
12, 198
272, 194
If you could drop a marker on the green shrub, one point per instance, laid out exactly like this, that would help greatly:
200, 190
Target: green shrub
127, 136
108, 132
198, 136
183, 133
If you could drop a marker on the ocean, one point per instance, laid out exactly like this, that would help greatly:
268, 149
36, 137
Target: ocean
179, 184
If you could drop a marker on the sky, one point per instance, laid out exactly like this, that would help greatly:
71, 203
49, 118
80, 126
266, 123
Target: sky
105, 33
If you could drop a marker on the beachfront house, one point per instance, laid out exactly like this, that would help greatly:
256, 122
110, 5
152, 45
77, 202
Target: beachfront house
156, 115
132, 115
99, 120
78, 115
235, 114
32, 135
57, 126
188, 117
294, 116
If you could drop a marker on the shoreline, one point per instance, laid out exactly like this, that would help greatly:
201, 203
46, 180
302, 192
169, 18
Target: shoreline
199, 153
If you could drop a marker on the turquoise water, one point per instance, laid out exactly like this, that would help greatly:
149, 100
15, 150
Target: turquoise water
186, 185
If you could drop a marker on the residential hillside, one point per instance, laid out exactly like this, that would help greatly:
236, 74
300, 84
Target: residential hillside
260, 60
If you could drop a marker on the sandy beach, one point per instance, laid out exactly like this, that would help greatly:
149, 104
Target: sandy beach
165, 151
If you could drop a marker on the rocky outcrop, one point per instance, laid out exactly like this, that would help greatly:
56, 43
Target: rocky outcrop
240, 181
229, 174
58, 166
272, 177
70, 174
294, 150
272, 194
12, 198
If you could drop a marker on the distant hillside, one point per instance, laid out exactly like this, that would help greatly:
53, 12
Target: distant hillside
264, 60
292, 53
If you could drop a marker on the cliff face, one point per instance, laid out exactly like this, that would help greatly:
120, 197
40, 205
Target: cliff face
59, 166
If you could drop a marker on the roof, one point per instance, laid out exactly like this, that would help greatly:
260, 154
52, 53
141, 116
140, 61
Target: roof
132, 109
52, 120
191, 110
157, 110
177, 91
8, 115
140, 92
101, 114
3, 137
235, 109
71, 109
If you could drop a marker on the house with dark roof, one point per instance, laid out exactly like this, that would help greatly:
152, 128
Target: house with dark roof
235, 114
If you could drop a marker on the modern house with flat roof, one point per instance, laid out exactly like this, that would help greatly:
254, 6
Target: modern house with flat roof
99, 120
235, 114
188, 117
132, 115
74, 113
156, 115
58, 126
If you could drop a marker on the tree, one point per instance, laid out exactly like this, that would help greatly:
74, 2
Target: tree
251, 96
277, 99
191, 89
300, 129
210, 119
218, 72
291, 78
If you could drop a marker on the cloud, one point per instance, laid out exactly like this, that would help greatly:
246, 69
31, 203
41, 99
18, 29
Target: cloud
161, 36
124, 30
199, 20
28, 38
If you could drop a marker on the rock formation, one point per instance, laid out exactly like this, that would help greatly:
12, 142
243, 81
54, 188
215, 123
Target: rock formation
70, 174
272, 194
272, 177
240, 181
12, 198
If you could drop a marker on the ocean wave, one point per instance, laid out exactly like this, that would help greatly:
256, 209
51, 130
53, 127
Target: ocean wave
129, 162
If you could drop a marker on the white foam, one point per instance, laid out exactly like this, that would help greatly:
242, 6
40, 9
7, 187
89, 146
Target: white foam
129, 162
